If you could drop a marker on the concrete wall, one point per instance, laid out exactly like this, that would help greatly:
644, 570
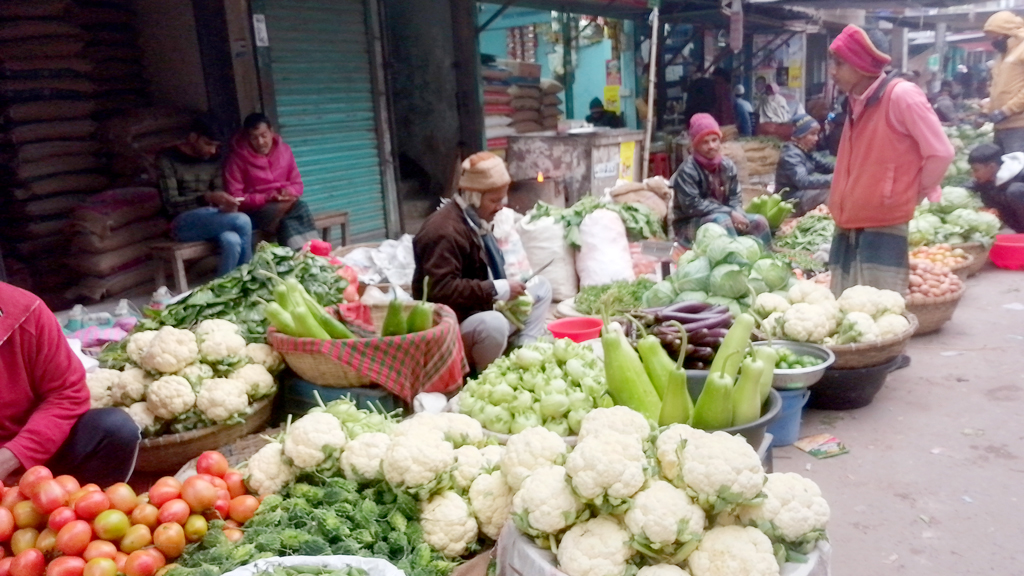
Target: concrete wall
167, 35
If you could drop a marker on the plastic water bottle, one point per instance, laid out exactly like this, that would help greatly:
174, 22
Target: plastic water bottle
160, 298
75, 319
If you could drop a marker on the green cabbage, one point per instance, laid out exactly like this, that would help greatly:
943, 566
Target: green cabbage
661, 295
727, 251
757, 284
729, 281
922, 229
774, 273
693, 276
751, 247
707, 233
691, 296
954, 197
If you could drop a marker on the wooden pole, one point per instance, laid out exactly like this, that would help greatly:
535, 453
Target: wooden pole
652, 75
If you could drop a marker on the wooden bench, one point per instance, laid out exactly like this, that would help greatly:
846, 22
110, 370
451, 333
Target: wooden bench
176, 254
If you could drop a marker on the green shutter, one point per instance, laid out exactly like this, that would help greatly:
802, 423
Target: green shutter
320, 62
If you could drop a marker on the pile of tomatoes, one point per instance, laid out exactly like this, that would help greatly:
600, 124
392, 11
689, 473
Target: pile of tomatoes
55, 527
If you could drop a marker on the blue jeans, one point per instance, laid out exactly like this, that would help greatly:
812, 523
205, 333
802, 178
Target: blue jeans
100, 448
232, 230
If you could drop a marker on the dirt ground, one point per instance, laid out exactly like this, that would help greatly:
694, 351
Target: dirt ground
932, 482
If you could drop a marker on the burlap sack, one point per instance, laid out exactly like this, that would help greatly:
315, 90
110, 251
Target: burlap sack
734, 151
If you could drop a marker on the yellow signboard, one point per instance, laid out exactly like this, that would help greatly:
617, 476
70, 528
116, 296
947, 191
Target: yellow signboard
611, 99
627, 161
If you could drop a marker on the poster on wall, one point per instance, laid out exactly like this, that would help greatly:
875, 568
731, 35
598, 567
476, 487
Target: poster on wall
612, 100
783, 63
613, 74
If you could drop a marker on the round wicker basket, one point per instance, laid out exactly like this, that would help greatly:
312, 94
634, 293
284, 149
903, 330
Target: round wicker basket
980, 253
963, 270
936, 312
166, 454
866, 355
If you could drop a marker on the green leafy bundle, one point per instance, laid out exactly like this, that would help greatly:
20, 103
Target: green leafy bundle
620, 296
812, 231
640, 222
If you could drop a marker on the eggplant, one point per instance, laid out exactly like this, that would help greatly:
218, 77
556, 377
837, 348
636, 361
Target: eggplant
686, 308
702, 353
716, 322
683, 317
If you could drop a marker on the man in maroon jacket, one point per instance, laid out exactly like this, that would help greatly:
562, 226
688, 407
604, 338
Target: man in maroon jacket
44, 412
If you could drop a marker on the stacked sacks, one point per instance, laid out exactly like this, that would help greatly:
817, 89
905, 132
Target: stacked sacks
497, 108
137, 136
527, 98
551, 103
112, 47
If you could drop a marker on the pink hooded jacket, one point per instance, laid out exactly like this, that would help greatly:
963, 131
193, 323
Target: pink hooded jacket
256, 178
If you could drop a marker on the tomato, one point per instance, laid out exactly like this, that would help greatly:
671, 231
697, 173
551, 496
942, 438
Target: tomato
5, 566
6, 524
119, 559
231, 524
199, 494
136, 538
143, 563
49, 496
27, 516
29, 563
233, 534
213, 463
66, 566
74, 537
163, 492
32, 477
59, 517
46, 541
222, 507
100, 549
176, 511
195, 528
100, 567
122, 497
90, 487
169, 539
164, 570
236, 483
146, 514
12, 496
243, 508
90, 505
23, 540
68, 483
111, 525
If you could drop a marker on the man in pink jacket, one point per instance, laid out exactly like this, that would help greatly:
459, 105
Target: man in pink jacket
261, 170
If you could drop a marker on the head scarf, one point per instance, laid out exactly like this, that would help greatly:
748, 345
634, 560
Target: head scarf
701, 126
774, 107
1007, 23
481, 173
596, 104
739, 90
855, 48
802, 125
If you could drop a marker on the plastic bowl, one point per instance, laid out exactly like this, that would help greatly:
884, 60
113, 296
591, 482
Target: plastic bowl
1008, 251
576, 329
797, 378
753, 432
852, 388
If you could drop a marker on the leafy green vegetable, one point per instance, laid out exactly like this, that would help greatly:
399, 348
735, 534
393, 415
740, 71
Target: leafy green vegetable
615, 297
774, 273
662, 294
729, 281
707, 234
812, 231
640, 222
693, 276
954, 197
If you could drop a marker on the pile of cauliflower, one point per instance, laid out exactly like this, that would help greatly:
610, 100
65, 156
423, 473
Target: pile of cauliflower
180, 380
809, 312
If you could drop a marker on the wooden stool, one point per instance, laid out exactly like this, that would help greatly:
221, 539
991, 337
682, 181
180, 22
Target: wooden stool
176, 254
324, 223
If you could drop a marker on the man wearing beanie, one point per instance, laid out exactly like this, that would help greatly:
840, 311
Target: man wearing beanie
802, 176
601, 117
459, 255
892, 154
707, 189
1005, 105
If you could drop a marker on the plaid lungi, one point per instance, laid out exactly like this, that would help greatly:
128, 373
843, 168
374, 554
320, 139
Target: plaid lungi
295, 228
870, 257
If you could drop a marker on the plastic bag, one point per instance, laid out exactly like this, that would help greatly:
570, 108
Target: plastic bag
517, 263
604, 250
373, 566
544, 241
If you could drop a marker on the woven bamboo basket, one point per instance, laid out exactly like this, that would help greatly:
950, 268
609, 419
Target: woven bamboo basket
980, 253
165, 454
866, 355
963, 270
936, 312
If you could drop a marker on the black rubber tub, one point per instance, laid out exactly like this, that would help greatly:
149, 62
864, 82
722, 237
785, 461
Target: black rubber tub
849, 389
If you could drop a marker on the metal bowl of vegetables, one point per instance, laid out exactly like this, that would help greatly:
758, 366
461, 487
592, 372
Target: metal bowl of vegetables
800, 364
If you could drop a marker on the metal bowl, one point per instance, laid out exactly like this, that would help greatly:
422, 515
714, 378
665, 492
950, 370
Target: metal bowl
797, 378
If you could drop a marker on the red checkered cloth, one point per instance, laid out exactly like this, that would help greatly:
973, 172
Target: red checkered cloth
430, 361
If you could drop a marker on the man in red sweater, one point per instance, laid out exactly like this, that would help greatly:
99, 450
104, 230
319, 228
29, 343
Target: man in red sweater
44, 412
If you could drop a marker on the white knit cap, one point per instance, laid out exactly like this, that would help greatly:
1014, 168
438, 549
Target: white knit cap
483, 172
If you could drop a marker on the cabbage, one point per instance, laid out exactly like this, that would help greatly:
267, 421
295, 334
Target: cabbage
729, 281
757, 284
693, 276
977, 226
987, 224
954, 197
727, 251
707, 233
691, 296
751, 247
922, 229
686, 258
774, 273
662, 294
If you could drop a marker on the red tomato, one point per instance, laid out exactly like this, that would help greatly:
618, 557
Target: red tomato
68, 483
235, 482
233, 534
146, 514
24, 539
100, 567
163, 492
27, 516
90, 487
136, 538
169, 539
199, 494
48, 496
12, 496
195, 528
59, 517
46, 541
176, 511
6, 523
32, 477
111, 525
74, 537
119, 561
213, 463
66, 566
243, 508
122, 497
143, 563
29, 563
90, 505
100, 549
5, 566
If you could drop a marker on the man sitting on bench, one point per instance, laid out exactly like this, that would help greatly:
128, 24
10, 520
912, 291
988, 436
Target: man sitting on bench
192, 190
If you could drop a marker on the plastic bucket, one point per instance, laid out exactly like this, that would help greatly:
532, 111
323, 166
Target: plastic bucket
576, 329
1008, 251
786, 427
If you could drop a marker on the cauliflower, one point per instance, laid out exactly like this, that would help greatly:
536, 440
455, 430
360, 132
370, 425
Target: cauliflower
264, 355
492, 455
469, 463
221, 398
267, 472
770, 325
607, 464
809, 292
866, 299
616, 419
545, 504
138, 343
669, 447
459, 429
491, 500
99, 383
892, 301
143, 418
768, 303
207, 327
732, 550
721, 471
793, 514
196, 374
312, 439
258, 381
661, 518
807, 323
170, 351
419, 462
448, 525
170, 396
858, 327
891, 326
362, 457
221, 347
528, 451
598, 547
662, 570
130, 386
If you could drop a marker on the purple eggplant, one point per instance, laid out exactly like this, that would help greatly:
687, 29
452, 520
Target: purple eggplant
702, 353
683, 317
716, 322
686, 308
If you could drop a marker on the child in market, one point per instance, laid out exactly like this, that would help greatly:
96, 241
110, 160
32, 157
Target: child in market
999, 179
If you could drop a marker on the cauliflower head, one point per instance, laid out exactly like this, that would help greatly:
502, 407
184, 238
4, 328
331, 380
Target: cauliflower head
312, 439
196, 374
419, 462
492, 455
138, 343
459, 429
130, 386
170, 396
217, 347
361, 460
448, 525
891, 326
808, 292
731, 550
597, 547
170, 351
662, 570
607, 464
794, 513
893, 302
669, 447
615, 419
469, 463
207, 327
143, 418
768, 303
663, 517
221, 398
529, 450
866, 299
259, 382
99, 383
264, 355
267, 471
771, 325
807, 323
491, 499
546, 504
858, 327
721, 471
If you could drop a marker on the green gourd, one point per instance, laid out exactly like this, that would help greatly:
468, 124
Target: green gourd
628, 383
713, 410
769, 357
280, 318
746, 397
421, 317
395, 323
734, 346
676, 405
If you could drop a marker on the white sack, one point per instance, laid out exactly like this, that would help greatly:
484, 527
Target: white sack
604, 250
544, 241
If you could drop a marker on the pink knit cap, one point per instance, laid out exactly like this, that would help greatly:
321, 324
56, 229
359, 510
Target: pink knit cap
701, 126
855, 48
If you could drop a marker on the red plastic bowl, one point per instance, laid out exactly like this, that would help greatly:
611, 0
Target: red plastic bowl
576, 329
1008, 251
